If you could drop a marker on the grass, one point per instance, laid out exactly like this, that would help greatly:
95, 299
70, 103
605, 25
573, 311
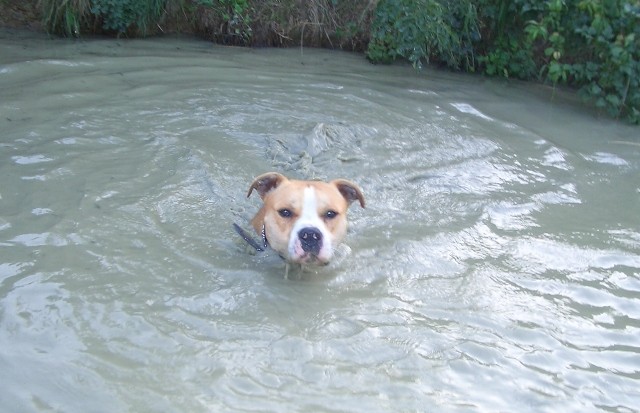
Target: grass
65, 17
340, 24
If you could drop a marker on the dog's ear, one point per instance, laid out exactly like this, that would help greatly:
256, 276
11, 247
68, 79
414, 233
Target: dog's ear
349, 191
265, 183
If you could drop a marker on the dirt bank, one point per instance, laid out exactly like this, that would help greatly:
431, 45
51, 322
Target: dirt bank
23, 14
313, 23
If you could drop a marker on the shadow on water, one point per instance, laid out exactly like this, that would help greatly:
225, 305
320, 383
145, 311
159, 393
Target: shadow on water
495, 267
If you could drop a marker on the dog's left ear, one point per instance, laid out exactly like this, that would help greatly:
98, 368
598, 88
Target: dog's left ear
349, 191
265, 183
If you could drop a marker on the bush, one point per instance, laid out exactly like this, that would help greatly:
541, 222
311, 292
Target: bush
592, 45
343, 24
66, 17
72, 17
505, 50
234, 19
595, 46
330, 23
422, 30
122, 15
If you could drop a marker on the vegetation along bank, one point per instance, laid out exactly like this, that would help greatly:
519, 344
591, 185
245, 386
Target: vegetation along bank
590, 45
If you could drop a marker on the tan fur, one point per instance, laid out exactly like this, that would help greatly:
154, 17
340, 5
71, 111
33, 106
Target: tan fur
278, 193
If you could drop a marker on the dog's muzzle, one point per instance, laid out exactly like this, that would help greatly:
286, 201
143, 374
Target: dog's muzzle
310, 240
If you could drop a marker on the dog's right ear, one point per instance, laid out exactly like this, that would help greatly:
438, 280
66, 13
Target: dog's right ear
265, 183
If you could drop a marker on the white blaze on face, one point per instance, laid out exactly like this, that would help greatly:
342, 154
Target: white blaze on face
310, 218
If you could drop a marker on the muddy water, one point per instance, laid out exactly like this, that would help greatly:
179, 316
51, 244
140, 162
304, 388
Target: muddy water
495, 268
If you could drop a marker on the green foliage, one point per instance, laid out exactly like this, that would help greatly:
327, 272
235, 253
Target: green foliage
236, 17
462, 17
121, 15
509, 57
71, 17
593, 45
416, 30
65, 17
505, 50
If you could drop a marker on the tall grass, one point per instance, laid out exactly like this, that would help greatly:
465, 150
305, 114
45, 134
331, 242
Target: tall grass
340, 24
74, 17
330, 23
591, 45
66, 17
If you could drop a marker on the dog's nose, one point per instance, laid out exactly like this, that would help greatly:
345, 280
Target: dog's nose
311, 240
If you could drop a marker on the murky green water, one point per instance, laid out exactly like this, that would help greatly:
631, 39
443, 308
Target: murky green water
495, 268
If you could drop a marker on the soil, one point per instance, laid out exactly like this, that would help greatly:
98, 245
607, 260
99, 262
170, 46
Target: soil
290, 25
20, 14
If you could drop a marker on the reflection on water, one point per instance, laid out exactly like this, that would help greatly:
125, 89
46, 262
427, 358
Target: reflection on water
496, 267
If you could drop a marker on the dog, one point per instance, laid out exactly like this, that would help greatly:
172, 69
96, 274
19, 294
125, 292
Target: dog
304, 221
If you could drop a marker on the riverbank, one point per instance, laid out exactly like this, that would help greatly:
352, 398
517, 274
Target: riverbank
317, 23
17, 14
593, 50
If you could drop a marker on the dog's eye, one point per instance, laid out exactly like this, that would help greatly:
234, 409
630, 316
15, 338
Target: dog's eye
285, 213
330, 214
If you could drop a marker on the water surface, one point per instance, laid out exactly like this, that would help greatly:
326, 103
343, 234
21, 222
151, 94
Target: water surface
495, 268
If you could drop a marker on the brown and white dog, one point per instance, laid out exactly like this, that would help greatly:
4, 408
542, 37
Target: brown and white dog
303, 221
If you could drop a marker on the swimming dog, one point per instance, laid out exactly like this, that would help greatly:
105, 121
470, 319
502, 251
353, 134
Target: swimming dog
304, 221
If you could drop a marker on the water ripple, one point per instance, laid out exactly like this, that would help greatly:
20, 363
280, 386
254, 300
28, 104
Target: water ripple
495, 267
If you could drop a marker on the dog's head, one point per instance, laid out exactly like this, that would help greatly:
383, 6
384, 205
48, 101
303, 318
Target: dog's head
303, 220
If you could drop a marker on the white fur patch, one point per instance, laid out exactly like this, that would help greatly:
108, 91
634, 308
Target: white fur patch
309, 218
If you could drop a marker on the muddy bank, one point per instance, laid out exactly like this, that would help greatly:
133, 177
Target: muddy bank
20, 15
420, 32
317, 23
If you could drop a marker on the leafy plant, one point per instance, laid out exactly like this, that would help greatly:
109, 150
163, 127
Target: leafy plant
236, 17
591, 45
462, 16
505, 50
509, 57
412, 29
594, 45
121, 15
65, 17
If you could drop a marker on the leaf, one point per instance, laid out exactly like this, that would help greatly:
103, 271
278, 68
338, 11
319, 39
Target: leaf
613, 100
